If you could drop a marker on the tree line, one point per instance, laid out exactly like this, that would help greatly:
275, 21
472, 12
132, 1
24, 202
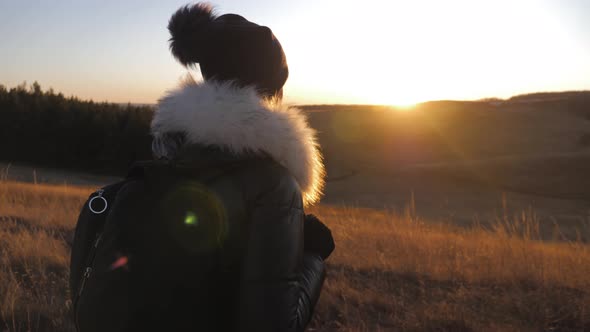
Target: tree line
48, 129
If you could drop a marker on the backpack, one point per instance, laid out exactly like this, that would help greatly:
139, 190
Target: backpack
138, 239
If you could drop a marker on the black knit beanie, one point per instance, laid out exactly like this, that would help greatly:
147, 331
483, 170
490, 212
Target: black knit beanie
228, 48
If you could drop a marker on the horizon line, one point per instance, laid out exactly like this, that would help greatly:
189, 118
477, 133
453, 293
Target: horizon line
483, 99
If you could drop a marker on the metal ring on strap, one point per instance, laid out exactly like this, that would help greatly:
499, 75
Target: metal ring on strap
98, 211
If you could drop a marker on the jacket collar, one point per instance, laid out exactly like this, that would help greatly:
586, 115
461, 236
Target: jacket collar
237, 120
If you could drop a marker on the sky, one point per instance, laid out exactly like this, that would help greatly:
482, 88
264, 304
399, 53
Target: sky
350, 52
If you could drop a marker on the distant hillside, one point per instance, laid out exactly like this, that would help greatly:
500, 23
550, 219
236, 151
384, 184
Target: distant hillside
45, 128
456, 160
581, 98
552, 96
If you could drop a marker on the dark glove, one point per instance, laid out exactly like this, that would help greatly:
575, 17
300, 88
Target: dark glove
317, 237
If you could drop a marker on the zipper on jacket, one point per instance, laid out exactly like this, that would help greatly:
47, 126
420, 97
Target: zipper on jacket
85, 277
97, 241
88, 269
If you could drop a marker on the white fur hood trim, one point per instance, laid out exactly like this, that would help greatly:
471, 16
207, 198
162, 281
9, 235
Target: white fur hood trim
237, 119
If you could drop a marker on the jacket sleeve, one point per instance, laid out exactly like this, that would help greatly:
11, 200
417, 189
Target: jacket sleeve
280, 282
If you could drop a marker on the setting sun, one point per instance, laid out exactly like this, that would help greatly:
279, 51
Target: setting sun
407, 52
377, 52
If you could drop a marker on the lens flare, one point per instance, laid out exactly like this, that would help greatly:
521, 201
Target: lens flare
194, 216
191, 219
120, 262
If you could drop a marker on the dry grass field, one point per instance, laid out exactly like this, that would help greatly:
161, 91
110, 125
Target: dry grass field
392, 270
456, 216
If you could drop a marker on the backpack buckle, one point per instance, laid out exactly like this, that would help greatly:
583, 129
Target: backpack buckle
104, 201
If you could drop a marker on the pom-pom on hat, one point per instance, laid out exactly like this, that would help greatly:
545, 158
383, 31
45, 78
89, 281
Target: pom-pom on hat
228, 48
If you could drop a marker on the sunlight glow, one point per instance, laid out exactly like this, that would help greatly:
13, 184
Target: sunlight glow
405, 52
392, 52
405, 106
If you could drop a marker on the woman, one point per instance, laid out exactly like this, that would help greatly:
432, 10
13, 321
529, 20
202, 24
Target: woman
270, 165
212, 236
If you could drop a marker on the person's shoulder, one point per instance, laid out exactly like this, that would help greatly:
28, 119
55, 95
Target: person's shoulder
268, 180
269, 170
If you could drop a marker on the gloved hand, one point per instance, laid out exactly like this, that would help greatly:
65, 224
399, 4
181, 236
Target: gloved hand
317, 237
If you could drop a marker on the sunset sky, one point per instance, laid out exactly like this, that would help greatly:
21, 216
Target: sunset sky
369, 52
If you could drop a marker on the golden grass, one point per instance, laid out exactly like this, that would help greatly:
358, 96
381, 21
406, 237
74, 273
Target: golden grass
36, 223
399, 273
390, 271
